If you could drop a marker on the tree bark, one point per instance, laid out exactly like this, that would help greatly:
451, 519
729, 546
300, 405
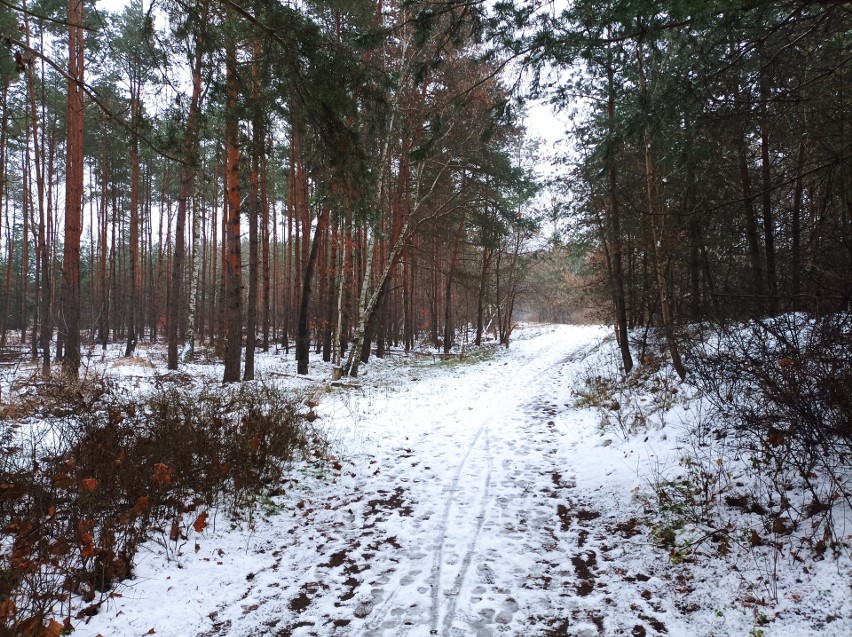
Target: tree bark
134, 301
253, 213
480, 296
614, 229
267, 278
766, 200
302, 336
658, 227
187, 185
43, 249
70, 324
797, 225
232, 294
449, 331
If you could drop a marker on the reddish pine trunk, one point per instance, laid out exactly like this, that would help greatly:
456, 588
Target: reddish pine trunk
70, 325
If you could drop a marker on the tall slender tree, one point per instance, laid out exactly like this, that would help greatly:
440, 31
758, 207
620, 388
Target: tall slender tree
70, 321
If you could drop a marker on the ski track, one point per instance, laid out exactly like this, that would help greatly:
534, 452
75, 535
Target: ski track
458, 593
452, 520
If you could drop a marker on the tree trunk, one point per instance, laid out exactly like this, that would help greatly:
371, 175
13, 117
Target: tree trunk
480, 296
658, 227
614, 230
103, 321
134, 301
751, 227
353, 361
4, 197
267, 280
253, 214
196, 280
232, 294
43, 249
70, 325
336, 355
26, 206
766, 201
449, 331
797, 225
302, 336
187, 185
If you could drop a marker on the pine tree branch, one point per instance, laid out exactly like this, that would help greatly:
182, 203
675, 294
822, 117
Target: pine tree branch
96, 99
40, 16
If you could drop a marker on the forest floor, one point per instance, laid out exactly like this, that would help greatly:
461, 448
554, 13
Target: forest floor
465, 497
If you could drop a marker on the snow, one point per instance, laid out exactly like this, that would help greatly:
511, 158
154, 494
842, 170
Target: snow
472, 498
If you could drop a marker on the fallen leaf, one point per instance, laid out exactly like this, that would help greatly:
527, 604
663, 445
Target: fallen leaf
53, 629
200, 522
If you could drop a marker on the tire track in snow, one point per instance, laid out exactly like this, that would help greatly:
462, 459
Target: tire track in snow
468, 557
540, 382
438, 560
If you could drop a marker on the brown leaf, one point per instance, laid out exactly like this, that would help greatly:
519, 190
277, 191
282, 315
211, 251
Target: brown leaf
200, 522
88, 545
53, 629
89, 484
151, 632
141, 505
162, 475
29, 626
174, 533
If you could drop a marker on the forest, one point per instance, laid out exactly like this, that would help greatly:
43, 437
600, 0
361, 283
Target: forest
328, 181
356, 173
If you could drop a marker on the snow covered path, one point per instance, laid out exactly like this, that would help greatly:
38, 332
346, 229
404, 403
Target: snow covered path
470, 499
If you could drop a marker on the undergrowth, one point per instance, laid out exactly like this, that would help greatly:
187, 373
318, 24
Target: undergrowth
88, 474
629, 405
764, 471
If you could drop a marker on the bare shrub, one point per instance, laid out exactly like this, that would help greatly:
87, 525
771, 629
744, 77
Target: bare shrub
781, 387
95, 478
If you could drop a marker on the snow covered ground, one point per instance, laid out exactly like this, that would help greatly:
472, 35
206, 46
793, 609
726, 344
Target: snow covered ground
466, 499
